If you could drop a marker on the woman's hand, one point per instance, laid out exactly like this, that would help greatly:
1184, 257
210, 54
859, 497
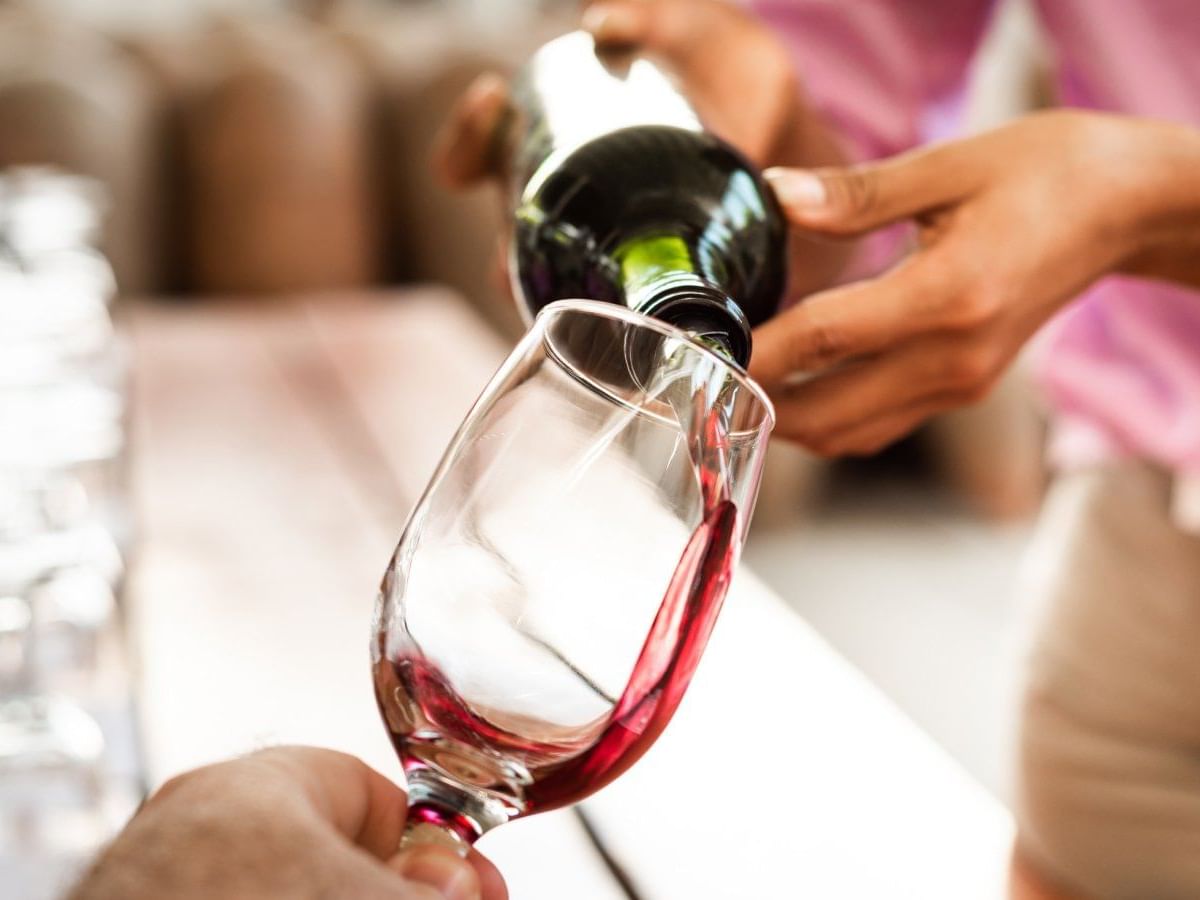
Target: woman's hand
1012, 225
737, 74
290, 822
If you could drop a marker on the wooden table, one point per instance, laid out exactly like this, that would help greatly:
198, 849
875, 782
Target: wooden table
278, 450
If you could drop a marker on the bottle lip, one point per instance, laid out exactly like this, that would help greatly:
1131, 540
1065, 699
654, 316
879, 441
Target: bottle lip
623, 313
695, 306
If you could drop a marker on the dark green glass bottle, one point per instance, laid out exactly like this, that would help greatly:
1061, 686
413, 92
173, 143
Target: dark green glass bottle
622, 196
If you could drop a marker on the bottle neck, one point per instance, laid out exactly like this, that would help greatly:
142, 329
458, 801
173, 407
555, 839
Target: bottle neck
661, 279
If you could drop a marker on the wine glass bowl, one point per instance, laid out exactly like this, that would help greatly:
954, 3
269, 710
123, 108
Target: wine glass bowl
553, 589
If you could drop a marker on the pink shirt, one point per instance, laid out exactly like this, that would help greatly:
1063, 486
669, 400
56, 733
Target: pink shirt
1120, 365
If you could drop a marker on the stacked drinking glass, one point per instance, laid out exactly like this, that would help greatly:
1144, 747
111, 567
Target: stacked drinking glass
67, 758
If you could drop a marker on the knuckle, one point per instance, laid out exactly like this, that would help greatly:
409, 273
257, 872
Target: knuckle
974, 309
976, 392
855, 191
825, 346
862, 448
804, 437
969, 369
876, 444
187, 783
826, 446
173, 784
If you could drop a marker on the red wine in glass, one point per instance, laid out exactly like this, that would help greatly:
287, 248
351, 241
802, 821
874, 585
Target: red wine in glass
521, 771
555, 587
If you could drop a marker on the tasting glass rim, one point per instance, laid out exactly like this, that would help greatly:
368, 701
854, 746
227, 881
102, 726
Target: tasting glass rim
639, 320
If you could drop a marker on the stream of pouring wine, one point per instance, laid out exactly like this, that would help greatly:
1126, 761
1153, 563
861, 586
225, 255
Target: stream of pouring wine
685, 619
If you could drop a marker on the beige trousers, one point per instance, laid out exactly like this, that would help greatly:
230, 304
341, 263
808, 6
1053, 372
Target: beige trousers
1108, 787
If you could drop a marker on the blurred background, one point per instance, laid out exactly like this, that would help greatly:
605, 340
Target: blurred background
234, 183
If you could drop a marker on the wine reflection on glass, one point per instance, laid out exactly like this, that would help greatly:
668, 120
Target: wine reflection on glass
555, 586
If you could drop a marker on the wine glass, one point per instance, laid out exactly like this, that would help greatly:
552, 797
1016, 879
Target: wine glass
556, 584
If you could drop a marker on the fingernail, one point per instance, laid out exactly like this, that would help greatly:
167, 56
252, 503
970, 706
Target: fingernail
441, 870
606, 23
796, 187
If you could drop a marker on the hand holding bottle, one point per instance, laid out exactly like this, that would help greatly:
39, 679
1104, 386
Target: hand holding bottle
1013, 224
735, 71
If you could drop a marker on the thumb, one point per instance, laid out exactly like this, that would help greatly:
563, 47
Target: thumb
440, 868
465, 149
856, 199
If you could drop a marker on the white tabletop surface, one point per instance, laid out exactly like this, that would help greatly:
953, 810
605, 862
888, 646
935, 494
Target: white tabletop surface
277, 452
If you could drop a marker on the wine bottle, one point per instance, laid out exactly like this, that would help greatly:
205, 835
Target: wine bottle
621, 195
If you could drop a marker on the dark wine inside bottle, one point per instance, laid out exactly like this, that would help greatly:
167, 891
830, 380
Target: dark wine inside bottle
621, 195
672, 222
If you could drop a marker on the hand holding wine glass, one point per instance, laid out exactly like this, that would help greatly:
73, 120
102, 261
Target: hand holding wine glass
283, 822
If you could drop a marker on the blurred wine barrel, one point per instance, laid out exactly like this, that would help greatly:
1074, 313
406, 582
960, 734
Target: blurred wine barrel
171, 62
68, 99
277, 162
422, 59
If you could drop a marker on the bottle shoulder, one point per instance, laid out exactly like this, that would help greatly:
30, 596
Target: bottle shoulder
655, 186
660, 157
649, 177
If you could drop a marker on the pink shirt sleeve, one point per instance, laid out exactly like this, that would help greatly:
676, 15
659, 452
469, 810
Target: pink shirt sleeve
1120, 365
887, 74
